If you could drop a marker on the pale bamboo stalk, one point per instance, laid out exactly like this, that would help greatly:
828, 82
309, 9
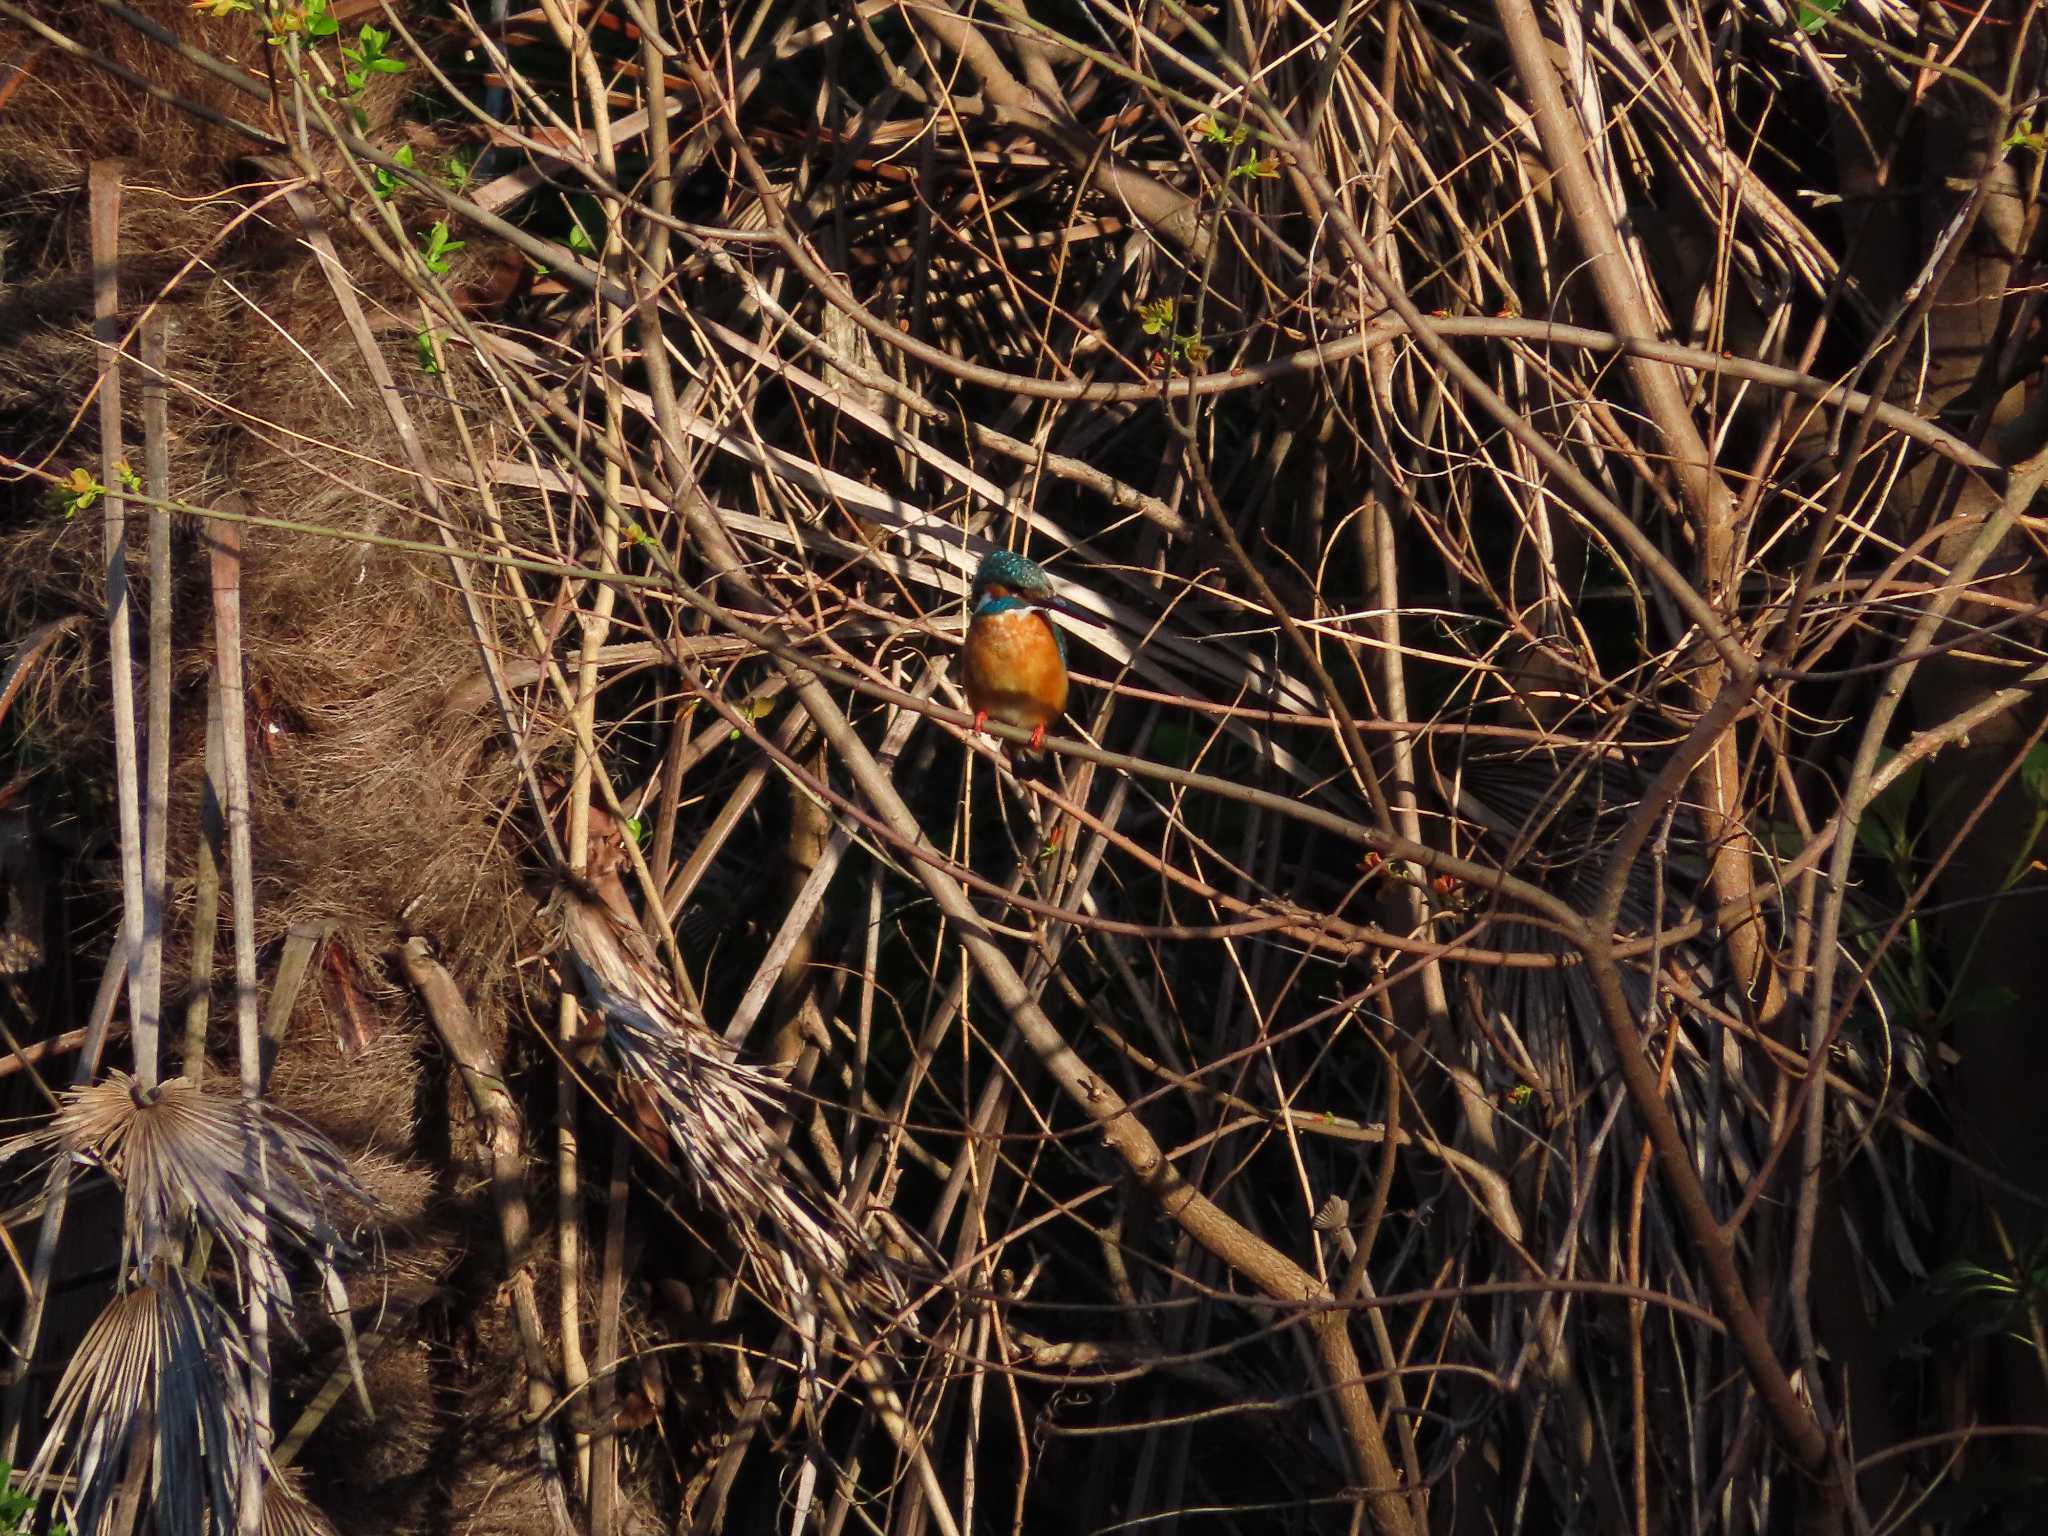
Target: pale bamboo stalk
104, 197
156, 450
103, 182
575, 42
604, 1465
568, 1180
205, 899
225, 539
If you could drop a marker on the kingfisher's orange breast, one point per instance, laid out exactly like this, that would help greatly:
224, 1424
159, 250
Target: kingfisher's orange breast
1014, 669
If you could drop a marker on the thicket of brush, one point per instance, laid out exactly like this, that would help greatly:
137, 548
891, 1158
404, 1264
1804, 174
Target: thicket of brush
1509, 1009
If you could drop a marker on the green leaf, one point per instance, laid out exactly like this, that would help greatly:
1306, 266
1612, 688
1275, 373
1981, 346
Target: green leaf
2034, 772
436, 247
1983, 1002
75, 493
14, 1504
1814, 14
1885, 828
389, 182
1174, 744
1780, 837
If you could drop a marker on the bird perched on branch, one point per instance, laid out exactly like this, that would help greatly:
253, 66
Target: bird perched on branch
1016, 660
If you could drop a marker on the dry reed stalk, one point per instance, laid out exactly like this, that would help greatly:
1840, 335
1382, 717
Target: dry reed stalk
226, 574
156, 821
104, 192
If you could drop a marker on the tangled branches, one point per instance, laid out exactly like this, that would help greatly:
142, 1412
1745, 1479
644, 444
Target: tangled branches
1562, 614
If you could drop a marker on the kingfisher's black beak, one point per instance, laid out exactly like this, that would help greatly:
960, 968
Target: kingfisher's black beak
1073, 611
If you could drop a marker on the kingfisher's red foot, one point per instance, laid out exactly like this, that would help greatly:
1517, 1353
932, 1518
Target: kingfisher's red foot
1037, 738
980, 719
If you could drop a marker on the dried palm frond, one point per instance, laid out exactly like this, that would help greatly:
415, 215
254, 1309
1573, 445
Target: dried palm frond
676, 1071
287, 1511
242, 1169
161, 1374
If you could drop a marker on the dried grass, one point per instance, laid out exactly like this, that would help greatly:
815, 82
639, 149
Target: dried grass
372, 808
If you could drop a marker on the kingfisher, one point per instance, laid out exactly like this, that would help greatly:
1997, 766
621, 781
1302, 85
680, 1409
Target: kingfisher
1016, 660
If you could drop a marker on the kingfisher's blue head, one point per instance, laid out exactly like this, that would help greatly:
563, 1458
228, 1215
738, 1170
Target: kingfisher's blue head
1005, 582
1005, 573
